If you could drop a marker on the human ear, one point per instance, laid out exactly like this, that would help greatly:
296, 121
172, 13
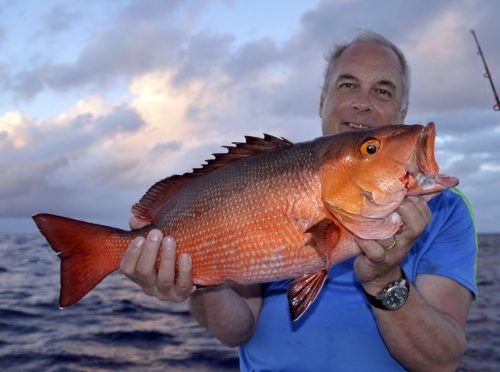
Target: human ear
402, 114
321, 102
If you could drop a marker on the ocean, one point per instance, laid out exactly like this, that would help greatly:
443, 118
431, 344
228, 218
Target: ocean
117, 327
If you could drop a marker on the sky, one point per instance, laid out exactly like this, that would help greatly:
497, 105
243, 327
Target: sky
101, 99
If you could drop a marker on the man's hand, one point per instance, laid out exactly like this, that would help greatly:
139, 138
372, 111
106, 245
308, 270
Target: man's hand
378, 265
139, 265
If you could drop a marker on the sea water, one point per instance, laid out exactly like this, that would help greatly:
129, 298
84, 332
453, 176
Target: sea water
119, 328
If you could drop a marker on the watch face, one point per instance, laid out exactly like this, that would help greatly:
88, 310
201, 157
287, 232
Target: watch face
395, 297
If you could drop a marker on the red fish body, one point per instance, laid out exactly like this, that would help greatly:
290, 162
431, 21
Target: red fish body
267, 210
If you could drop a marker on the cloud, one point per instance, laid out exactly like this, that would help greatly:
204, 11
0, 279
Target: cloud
102, 153
60, 19
201, 56
434, 50
121, 120
43, 161
164, 148
252, 58
143, 38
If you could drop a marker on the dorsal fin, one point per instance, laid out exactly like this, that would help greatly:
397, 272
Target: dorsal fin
163, 190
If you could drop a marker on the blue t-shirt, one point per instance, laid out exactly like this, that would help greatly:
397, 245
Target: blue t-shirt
339, 331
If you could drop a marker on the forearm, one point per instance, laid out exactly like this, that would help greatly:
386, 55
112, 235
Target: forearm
225, 313
421, 337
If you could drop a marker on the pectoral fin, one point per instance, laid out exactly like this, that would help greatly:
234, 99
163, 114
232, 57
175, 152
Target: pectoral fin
303, 291
325, 235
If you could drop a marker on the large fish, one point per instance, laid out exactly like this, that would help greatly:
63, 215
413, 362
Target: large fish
267, 210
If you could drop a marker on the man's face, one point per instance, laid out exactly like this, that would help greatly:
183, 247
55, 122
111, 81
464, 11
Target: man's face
365, 90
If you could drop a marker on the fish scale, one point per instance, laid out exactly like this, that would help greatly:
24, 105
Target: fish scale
231, 196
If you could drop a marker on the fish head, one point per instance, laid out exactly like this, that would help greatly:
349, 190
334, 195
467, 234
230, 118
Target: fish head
365, 175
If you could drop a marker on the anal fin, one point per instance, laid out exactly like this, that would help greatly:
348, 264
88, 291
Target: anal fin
303, 291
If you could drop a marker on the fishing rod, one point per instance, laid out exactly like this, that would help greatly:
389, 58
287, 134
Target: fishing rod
487, 74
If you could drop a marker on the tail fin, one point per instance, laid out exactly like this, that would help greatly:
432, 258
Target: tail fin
88, 253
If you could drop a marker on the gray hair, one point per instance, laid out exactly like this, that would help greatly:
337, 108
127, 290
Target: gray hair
368, 36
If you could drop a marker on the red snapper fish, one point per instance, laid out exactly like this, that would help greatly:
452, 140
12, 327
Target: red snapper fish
267, 210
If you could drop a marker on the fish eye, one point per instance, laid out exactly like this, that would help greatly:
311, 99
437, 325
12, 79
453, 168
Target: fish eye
369, 147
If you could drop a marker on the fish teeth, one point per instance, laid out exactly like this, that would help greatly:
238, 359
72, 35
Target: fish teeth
424, 181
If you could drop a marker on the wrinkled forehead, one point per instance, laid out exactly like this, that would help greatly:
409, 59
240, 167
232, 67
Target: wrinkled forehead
369, 62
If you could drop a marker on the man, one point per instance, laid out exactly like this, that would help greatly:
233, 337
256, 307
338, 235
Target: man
366, 85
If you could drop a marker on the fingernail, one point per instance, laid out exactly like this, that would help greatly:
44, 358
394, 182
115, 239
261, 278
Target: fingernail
168, 243
138, 241
185, 259
154, 235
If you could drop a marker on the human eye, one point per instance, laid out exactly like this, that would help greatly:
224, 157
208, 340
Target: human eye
345, 85
384, 93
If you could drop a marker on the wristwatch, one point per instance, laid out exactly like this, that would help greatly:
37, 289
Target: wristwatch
393, 296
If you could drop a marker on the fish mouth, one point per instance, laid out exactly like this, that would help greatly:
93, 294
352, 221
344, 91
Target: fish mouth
422, 171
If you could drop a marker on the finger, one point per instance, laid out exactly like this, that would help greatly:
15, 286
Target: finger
415, 213
137, 223
145, 267
184, 284
166, 272
422, 206
410, 214
131, 256
419, 201
388, 243
428, 197
373, 250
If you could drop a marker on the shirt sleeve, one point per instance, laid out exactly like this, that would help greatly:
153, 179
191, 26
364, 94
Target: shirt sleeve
453, 250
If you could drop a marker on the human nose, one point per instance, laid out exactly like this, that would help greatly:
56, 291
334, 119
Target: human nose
361, 102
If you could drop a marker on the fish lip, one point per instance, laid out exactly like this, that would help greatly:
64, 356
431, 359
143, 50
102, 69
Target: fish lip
425, 150
422, 171
421, 159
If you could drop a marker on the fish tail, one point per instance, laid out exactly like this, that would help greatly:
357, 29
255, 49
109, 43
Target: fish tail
88, 252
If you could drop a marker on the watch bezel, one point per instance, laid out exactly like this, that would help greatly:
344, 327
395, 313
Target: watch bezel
395, 296
383, 299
